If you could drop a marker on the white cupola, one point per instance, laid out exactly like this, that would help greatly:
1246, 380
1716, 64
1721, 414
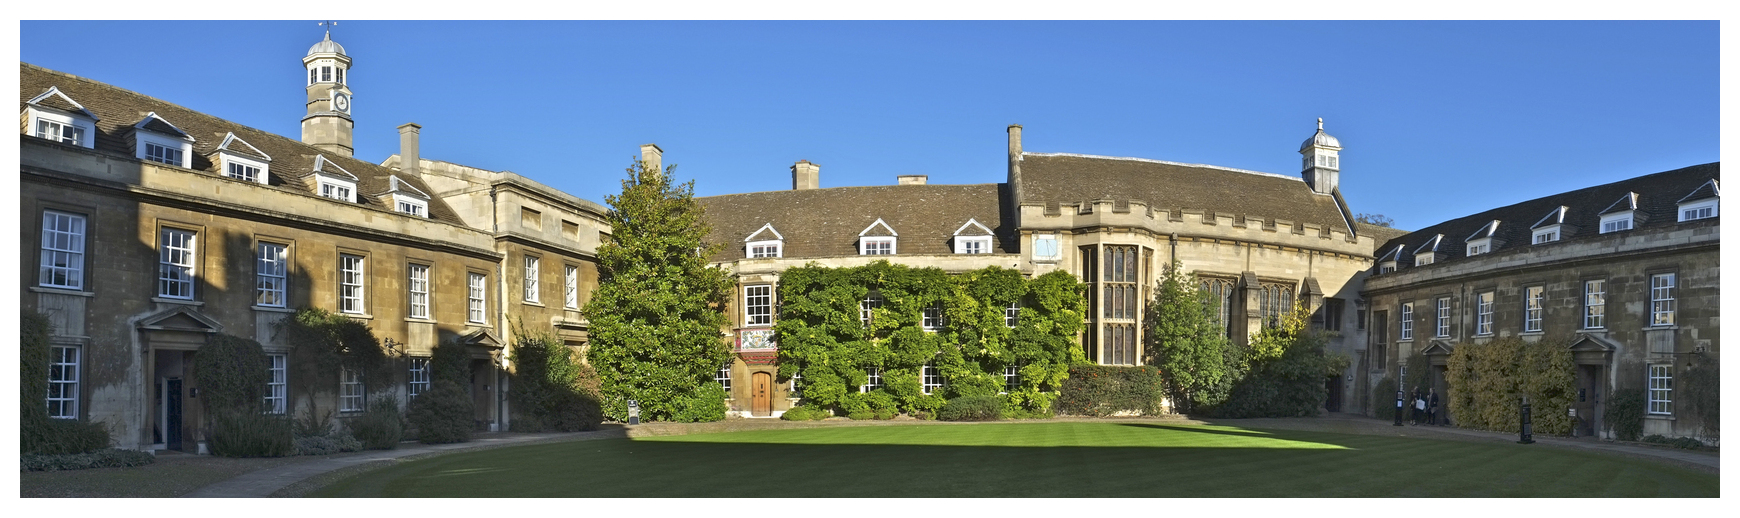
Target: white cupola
1322, 161
328, 124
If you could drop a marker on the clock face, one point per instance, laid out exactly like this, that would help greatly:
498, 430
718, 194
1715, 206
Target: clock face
341, 102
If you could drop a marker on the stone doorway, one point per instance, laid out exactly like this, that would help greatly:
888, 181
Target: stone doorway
762, 403
1589, 402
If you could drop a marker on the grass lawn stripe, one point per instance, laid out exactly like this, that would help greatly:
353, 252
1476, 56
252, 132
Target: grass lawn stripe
1035, 459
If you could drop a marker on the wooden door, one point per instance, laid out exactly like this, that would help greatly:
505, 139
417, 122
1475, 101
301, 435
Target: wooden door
762, 383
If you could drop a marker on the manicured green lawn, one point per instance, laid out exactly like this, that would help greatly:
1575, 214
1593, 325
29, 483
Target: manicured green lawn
1035, 459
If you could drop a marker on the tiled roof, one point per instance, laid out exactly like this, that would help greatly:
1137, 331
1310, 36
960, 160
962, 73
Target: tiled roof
1067, 178
826, 222
1658, 198
120, 109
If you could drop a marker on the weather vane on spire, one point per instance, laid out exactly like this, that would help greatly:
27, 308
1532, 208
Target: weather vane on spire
1319, 123
328, 24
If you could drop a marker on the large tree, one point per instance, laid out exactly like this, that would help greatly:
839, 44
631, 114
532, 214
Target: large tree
1189, 346
657, 314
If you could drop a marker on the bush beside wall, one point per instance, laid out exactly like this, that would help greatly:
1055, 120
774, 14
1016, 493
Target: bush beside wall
381, 427
102, 458
972, 408
1625, 414
249, 434
444, 414
1488, 381
1102, 390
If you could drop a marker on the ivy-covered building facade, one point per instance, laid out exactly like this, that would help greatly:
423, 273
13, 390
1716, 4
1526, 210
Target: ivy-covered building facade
1623, 275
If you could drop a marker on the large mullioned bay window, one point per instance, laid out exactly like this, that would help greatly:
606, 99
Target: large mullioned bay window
63, 251
1122, 303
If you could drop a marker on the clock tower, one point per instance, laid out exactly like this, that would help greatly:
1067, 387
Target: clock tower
328, 124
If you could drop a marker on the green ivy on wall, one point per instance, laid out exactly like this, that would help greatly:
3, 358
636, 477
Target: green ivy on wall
823, 337
1487, 382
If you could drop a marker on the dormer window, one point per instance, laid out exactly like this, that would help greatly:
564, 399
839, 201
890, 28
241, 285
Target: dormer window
160, 153
241, 161
1551, 227
972, 238
1622, 215
1479, 246
332, 181
338, 190
408, 199
1386, 267
765, 242
1428, 253
159, 141
1546, 235
1423, 259
1482, 240
877, 239
1702, 203
53, 116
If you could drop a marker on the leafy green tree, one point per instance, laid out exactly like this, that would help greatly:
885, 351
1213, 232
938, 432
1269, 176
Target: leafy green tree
657, 312
1189, 346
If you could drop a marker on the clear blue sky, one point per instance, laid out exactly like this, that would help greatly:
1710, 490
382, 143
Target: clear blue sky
1437, 119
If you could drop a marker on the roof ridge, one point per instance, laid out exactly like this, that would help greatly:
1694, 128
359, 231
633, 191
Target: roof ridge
1168, 162
855, 187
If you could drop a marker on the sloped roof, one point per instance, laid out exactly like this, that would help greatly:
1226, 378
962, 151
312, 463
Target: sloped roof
826, 222
1657, 198
1069, 178
235, 144
118, 109
54, 98
1710, 189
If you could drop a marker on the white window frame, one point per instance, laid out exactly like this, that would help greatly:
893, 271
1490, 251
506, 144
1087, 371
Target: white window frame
972, 244
1424, 259
182, 149
1661, 299
877, 245
228, 163
1479, 246
271, 274
417, 276
63, 251
177, 263
476, 288
1011, 378
1407, 314
764, 249
1697, 210
1661, 389
63, 381
1534, 307
931, 319
1041, 242
1544, 235
1386, 267
417, 379
277, 384
929, 379
529, 283
1617, 222
352, 284
795, 387
867, 308
54, 127
1012, 314
872, 379
758, 305
337, 189
1595, 304
723, 377
410, 205
352, 395
1442, 327
1483, 313
570, 286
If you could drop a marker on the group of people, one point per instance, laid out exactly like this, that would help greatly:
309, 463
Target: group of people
1424, 406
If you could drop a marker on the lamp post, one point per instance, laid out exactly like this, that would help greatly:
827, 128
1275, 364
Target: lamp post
1528, 432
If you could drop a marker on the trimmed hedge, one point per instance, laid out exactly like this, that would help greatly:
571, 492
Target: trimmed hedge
972, 408
1101, 390
248, 434
104, 458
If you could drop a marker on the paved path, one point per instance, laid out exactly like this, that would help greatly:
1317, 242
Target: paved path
1350, 423
263, 483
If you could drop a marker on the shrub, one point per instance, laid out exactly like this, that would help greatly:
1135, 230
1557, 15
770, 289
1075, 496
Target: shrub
103, 458
1700, 390
336, 441
1383, 398
1280, 373
232, 374
1023, 413
552, 389
248, 434
33, 383
311, 425
444, 414
972, 408
1098, 390
1625, 414
71, 436
704, 405
1684, 443
804, 413
1487, 382
382, 426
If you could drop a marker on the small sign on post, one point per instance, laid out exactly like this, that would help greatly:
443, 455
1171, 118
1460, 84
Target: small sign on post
633, 412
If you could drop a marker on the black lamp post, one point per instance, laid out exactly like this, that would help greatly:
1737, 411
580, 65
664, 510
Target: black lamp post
1528, 432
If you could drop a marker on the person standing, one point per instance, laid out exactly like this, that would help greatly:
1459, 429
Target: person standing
1432, 406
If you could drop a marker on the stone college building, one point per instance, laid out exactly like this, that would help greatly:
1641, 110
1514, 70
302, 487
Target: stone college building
147, 227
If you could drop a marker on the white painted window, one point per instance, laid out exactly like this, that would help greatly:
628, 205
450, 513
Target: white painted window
1661, 389
63, 382
570, 286
419, 281
337, 189
271, 271
350, 283
1546, 235
1012, 314
1011, 378
1661, 299
417, 381
1386, 267
796, 387
1594, 304
241, 171
350, 391
165, 154
1424, 259
758, 305
876, 246
412, 206
1699, 210
765, 249
1483, 314
1045, 246
531, 279
1534, 298
1407, 313
237, 167
277, 391
63, 250
1616, 222
474, 305
723, 376
867, 308
932, 319
1479, 246
1443, 322
972, 244
930, 379
873, 379
176, 251
64, 132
